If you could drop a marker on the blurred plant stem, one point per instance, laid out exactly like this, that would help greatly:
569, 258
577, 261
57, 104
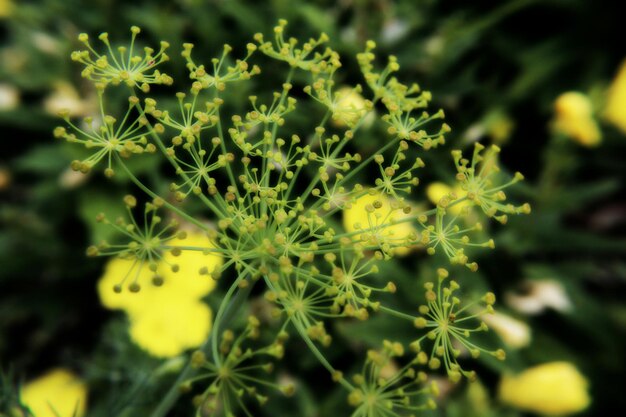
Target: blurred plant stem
559, 162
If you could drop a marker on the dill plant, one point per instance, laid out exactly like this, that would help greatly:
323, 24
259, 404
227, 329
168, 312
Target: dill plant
277, 203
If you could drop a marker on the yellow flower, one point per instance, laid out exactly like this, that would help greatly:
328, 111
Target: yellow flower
555, 388
349, 107
6, 8
115, 270
515, 333
168, 319
188, 280
438, 190
186, 283
171, 325
615, 110
357, 217
58, 393
574, 118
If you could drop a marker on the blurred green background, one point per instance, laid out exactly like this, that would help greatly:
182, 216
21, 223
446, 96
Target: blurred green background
495, 67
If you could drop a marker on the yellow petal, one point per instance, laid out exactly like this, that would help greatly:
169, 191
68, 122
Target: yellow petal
615, 110
171, 326
555, 388
114, 273
188, 281
574, 118
168, 319
6, 8
58, 393
357, 215
437, 190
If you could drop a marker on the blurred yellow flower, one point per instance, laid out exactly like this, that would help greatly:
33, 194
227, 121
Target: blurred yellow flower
574, 118
5, 178
170, 326
114, 271
58, 393
6, 8
168, 319
615, 110
539, 295
496, 124
64, 97
515, 333
188, 281
70, 179
349, 107
555, 388
478, 398
438, 190
357, 217
500, 127
9, 96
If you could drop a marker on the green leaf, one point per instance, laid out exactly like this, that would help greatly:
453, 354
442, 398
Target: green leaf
43, 159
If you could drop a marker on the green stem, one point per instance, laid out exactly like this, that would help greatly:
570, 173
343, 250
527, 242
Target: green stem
220, 133
266, 178
152, 194
224, 305
363, 164
396, 313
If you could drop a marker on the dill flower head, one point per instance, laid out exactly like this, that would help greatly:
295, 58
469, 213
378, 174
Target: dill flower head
349, 106
450, 327
237, 370
384, 389
122, 65
276, 196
